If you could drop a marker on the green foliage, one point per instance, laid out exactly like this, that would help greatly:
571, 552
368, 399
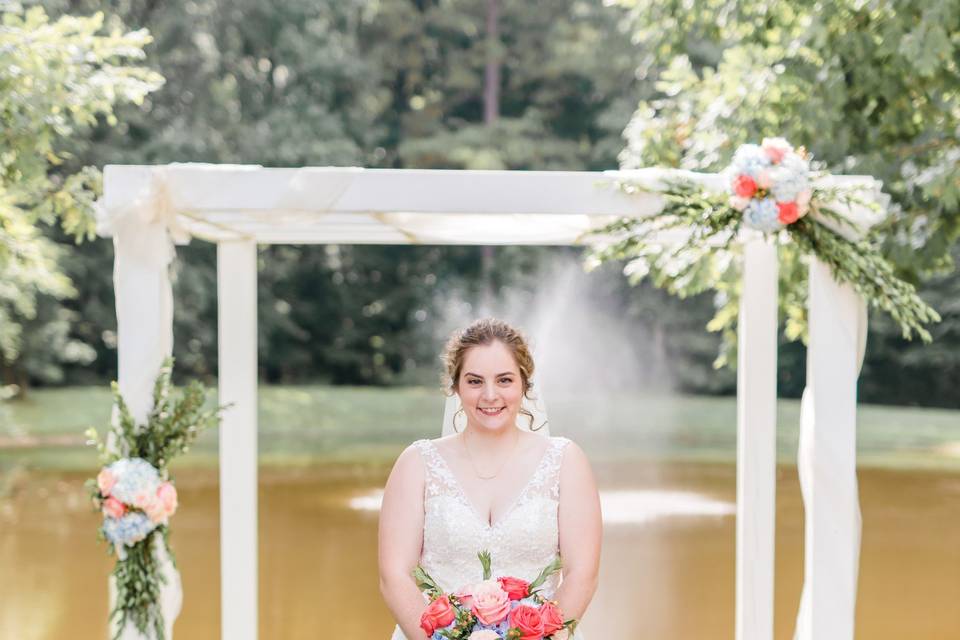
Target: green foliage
485, 563
138, 579
172, 425
869, 88
57, 80
707, 258
555, 565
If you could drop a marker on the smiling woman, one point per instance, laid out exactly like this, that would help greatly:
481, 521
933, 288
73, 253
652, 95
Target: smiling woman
528, 499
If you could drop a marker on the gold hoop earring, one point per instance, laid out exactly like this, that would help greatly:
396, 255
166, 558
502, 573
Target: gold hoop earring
454, 419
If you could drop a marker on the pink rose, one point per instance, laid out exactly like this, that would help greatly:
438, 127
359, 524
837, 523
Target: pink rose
552, 618
437, 615
490, 602
113, 508
516, 588
776, 148
105, 481
527, 619
465, 597
155, 511
167, 496
744, 186
788, 212
484, 634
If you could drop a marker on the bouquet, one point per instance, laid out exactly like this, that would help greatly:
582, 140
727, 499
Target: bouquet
770, 184
136, 496
504, 608
134, 501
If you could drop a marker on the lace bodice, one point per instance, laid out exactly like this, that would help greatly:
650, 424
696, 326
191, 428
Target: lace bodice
521, 542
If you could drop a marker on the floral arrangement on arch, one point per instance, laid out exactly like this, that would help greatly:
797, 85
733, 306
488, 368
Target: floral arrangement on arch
136, 495
771, 189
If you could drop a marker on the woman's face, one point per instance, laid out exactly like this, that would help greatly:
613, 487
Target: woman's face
490, 387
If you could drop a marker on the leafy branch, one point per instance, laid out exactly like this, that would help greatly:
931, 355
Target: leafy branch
690, 247
172, 425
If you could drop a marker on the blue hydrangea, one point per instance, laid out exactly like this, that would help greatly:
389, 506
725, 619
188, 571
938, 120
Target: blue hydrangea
750, 159
134, 476
762, 214
128, 530
790, 178
500, 628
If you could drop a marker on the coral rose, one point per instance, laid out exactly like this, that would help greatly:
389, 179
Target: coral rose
437, 615
552, 618
113, 508
788, 212
527, 619
105, 481
490, 602
516, 588
744, 186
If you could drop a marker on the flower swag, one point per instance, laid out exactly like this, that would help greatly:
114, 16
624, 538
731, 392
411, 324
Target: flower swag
136, 495
770, 189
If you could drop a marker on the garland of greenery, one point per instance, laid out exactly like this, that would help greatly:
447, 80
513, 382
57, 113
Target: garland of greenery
704, 260
170, 429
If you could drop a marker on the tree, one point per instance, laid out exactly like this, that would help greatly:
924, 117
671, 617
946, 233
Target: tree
870, 88
57, 80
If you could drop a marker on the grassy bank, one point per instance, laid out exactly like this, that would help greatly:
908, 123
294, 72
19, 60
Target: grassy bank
307, 425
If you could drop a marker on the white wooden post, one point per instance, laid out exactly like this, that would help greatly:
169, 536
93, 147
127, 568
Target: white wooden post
827, 460
237, 374
143, 250
756, 439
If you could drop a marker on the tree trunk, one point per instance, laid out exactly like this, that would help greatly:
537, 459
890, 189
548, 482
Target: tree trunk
491, 76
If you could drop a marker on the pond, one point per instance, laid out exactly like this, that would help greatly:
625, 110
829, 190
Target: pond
667, 563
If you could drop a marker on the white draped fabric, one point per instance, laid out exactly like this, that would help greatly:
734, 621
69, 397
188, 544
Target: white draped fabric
827, 458
143, 249
147, 209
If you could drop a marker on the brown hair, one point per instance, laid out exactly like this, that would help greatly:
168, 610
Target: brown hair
481, 333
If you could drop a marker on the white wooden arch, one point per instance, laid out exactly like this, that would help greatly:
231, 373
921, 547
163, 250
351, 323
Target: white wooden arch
149, 209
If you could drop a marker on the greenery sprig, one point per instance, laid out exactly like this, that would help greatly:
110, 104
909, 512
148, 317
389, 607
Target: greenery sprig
703, 257
172, 425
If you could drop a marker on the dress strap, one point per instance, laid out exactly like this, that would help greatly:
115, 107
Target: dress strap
439, 479
546, 480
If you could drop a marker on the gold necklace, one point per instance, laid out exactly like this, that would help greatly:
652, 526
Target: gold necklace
504, 464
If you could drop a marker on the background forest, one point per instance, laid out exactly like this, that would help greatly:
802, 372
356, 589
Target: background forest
869, 88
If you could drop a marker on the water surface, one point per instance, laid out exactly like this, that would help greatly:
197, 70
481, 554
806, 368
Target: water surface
667, 565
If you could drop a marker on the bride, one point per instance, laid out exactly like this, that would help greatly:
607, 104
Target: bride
495, 483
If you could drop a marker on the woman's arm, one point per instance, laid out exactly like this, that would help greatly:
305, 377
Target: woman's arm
400, 541
581, 529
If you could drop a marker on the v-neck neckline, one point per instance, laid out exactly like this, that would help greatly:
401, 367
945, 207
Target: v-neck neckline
472, 506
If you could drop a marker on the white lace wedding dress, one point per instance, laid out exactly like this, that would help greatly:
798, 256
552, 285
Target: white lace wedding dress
521, 543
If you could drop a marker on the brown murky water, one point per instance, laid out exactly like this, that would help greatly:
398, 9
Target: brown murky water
667, 571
